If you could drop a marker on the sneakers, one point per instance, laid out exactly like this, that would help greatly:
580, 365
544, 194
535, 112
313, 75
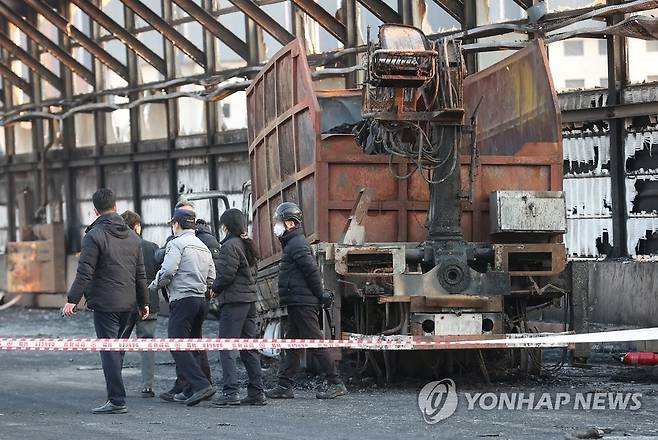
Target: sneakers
181, 397
148, 392
280, 392
334, 390
169, 395
200, 395
257, 400
110, 408
227, 400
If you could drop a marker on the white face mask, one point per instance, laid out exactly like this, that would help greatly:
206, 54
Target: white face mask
279, 229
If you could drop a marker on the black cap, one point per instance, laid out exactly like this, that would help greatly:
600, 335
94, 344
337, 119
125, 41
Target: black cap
185, 218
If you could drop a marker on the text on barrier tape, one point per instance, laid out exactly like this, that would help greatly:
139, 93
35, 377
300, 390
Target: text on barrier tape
352, 341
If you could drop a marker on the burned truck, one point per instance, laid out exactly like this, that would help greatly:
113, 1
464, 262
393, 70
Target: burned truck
432, 197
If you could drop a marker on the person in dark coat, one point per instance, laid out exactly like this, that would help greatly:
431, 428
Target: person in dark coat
111, 277
235, 288
146, 328
300, 289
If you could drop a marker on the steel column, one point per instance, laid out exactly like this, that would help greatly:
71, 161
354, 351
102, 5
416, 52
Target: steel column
14, 79
617, 79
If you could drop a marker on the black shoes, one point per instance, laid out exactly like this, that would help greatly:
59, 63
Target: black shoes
334, 390
257, 400
148, 392
280, 392
182, 397
227, 400
200, 395
110, 408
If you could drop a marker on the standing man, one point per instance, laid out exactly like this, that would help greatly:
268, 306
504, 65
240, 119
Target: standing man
111, 277
300, 289
146, 328
187, 272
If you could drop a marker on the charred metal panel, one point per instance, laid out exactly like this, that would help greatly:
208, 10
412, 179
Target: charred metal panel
528, 211
38, 266
517, 104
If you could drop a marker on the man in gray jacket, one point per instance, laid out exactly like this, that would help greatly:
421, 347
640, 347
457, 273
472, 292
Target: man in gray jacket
188, 272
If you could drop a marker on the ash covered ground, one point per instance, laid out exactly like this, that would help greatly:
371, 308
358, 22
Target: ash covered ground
47, 395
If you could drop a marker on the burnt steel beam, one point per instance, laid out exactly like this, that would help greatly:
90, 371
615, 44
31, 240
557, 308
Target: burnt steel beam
84, 41
262, 19
619, 111
122, 34
16, 80
453, 7
212, 25
35, 35
30, 62
324, 19
382, 11
167, 31
525, 4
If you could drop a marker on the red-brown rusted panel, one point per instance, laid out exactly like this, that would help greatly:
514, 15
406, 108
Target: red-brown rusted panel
519, 139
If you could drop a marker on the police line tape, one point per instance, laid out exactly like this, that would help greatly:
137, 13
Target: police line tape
351, 341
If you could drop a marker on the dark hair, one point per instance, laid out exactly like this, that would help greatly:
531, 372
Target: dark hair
104, 200
132, 219
233, 220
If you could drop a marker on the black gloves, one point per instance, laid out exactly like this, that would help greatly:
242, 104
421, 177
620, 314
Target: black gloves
327, 299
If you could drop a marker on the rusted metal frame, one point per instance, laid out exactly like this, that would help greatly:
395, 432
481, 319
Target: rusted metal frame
14, 79
617, 79
323, 18
35, 35
265, 21
213, 25
557, 251
122, 34
382, 11
84, 41
30, 62
73, 240
455, 8
167, 31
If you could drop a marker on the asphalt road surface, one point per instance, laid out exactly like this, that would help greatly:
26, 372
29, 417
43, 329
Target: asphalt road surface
49, 396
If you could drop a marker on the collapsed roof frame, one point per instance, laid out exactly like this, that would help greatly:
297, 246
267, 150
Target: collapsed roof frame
542, 26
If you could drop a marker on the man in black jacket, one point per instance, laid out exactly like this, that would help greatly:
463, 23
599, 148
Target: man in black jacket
111, 277
146, 327
300, 289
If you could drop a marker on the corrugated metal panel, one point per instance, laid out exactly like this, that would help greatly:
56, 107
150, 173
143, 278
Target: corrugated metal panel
583, 233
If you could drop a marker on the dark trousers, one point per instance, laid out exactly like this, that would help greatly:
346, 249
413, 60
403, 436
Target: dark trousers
239, 321
113, 325
186, 318
303, 323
